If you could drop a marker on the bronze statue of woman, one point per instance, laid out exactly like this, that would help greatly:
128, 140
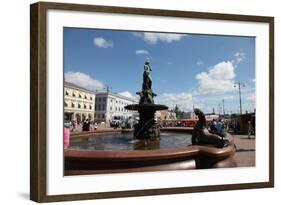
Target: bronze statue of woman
147, 81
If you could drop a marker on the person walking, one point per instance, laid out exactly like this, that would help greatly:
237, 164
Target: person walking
86, 125
250, 129
213, 125
66, 136
95, 126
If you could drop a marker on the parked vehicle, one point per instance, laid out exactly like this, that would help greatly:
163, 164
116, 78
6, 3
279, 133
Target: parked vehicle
116, 122
128, 123
67, 123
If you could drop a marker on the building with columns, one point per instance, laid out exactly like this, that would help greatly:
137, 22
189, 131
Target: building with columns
109, 105
79, 103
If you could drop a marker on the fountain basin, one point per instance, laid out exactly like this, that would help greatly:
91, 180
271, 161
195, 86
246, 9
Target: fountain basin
90, 161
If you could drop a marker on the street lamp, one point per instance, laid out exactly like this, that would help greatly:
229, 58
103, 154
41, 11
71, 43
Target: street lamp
107, 88
223, 111
239, 84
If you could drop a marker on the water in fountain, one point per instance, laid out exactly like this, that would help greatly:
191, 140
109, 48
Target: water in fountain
125, 141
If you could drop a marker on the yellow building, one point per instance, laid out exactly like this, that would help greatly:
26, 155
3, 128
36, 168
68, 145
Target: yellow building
79, 103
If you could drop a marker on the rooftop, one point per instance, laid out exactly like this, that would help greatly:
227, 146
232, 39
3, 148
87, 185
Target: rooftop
71, 85
116, 95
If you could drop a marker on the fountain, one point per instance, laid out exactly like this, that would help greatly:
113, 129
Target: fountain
146, 128
146, 149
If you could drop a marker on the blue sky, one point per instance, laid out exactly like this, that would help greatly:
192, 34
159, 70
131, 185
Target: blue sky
187, 69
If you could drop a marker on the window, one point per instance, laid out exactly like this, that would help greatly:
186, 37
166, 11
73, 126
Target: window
110, 108
79, 106
73, 94
72, 105
80, 95
104, 99
103, 107
91, 98
85, 97
66, 93
90, 107
85, 106
65, 104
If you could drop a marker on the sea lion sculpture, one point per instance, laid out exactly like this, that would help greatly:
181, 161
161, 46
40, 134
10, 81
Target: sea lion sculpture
201, 135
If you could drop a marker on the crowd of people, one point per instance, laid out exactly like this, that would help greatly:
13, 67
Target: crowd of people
86, 125
218, 126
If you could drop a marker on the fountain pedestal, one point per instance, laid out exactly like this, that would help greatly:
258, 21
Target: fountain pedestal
146, 128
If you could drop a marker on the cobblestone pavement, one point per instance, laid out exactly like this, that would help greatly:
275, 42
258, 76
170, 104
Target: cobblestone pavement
245, 155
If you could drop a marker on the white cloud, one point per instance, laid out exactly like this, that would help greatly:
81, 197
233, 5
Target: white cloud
129, 95
239, 56
83, 80
228, 97
251, 97
153, 38
183, 100
250, 102
142, 52
102, 43
219, 79
126, 94
199, 62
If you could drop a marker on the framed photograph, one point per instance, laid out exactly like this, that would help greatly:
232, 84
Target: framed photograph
135, 102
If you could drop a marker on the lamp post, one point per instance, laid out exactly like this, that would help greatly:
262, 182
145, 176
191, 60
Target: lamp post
239, 84
107, 88
223, 111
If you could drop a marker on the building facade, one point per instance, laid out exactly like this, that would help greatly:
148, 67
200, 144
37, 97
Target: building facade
111, 105
79, 103
165, 115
